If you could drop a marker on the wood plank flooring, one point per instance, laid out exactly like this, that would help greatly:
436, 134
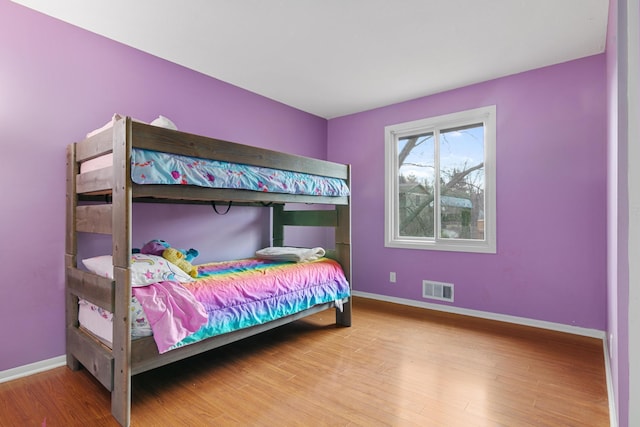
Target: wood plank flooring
396, 366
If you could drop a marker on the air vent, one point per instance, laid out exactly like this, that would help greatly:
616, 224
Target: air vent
437, 290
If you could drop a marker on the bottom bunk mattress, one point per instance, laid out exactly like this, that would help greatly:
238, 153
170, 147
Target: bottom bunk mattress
233, 295
99, 321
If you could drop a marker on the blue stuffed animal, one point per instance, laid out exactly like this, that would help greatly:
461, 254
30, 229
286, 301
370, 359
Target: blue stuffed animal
189, 254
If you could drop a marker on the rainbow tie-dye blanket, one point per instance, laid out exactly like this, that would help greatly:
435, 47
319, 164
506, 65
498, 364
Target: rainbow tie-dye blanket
248, 292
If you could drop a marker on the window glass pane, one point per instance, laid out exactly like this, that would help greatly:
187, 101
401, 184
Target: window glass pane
416, 177
462, 182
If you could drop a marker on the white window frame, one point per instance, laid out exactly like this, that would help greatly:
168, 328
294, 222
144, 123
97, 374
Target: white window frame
485, 115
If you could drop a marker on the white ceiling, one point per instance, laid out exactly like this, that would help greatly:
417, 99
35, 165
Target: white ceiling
337, 57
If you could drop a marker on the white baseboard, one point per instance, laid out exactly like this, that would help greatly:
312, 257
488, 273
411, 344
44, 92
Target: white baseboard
32, 368
613, 413
593, 333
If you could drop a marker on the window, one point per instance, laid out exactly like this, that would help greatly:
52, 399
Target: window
440, 182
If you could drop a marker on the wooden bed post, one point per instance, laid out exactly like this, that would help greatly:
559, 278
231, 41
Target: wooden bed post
343, 255
71, 250
343, 251
121, 240
277, 225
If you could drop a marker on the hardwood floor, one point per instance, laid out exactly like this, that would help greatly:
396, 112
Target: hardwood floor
396, 366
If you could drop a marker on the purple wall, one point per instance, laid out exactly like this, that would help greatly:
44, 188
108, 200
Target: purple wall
551, 198
58, 82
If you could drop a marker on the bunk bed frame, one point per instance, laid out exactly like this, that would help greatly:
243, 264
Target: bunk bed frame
113, 367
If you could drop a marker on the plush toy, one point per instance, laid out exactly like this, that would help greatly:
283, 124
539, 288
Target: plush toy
154, 247
178, 258
157, 247
189, 254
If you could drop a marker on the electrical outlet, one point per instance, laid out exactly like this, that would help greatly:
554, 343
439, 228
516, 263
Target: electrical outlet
392, 277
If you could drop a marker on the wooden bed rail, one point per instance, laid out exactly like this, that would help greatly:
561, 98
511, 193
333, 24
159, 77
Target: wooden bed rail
95, 146
170, 141
190, 193
91, 287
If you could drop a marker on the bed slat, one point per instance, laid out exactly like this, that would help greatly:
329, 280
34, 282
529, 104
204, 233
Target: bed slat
93, 356
97, 145
93, 288
94, 219
309, 218
96, 181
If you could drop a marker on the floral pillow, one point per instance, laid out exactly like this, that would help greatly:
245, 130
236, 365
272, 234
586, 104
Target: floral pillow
145, 269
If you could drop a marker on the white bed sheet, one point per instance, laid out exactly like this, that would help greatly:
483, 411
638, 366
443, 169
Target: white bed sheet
100, 322
97, 163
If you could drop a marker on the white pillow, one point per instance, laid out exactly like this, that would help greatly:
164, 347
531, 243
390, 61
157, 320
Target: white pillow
145, 269
164, 122
287, 253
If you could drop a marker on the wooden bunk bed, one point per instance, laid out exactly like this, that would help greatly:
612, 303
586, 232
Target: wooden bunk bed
101, 202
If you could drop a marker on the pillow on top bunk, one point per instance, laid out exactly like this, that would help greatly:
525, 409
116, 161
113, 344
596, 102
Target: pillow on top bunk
161, 121
145, 269
164, 122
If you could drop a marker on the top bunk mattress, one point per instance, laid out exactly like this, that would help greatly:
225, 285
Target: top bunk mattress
154, 167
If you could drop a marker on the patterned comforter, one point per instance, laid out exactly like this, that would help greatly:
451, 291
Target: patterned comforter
153, 167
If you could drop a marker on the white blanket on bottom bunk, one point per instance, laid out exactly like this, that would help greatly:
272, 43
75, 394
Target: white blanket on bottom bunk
286, 253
